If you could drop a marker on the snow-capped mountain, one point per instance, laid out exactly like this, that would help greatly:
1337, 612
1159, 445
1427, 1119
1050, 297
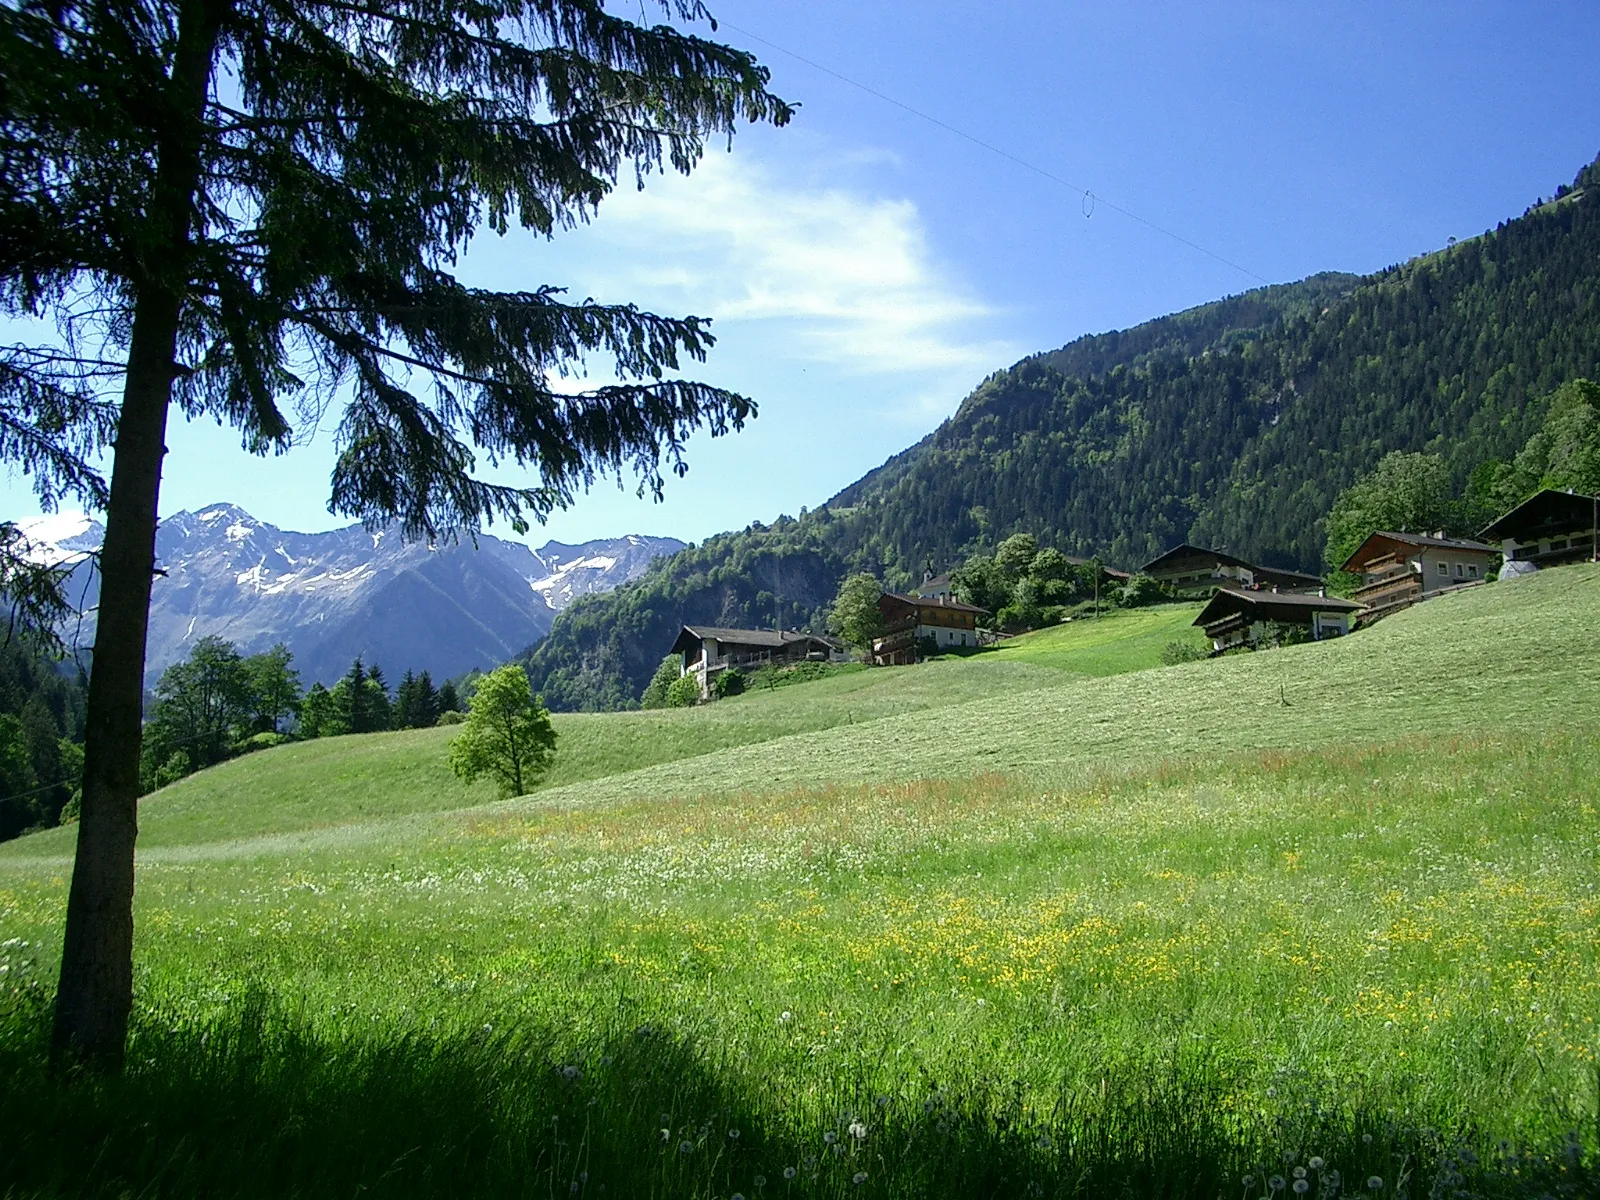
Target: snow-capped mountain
596, 566
333, 596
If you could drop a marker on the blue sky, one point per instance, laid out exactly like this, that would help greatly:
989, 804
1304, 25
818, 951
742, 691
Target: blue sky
865, 268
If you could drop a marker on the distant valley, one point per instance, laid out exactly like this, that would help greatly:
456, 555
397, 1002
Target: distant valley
336, 595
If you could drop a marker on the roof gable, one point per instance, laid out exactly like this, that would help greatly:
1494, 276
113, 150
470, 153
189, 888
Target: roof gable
1545, 508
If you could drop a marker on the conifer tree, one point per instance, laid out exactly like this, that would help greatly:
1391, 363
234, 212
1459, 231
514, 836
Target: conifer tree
251, 209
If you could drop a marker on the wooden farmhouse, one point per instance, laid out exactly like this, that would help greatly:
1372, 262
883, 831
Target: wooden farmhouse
1194, 568
907, 620
1548, 529
709, 651
1399, 569
1238, 618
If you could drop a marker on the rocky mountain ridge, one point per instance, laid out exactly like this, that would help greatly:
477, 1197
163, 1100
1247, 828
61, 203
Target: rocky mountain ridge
332, 596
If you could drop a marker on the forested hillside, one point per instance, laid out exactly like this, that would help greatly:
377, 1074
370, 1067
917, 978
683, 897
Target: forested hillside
1234, 424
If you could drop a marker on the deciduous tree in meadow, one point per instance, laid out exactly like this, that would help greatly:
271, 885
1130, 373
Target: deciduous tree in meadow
251, 209
507, 735
855, 616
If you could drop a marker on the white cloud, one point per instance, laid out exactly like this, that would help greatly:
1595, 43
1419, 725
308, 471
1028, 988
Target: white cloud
852, 277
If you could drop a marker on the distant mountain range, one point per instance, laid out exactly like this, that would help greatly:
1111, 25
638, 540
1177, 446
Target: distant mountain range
333, 596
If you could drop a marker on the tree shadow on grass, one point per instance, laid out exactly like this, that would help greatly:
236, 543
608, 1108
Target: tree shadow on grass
263, 1105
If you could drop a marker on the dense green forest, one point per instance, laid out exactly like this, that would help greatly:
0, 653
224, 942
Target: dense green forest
1234, 424
41, 735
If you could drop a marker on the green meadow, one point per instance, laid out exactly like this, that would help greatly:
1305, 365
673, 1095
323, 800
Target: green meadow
1026, 923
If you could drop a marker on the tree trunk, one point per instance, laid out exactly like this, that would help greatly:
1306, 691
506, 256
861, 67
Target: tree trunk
95, 993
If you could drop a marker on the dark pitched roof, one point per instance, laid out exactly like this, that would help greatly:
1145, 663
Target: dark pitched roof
1270, 606
1185, 550
1378, 542
771, 639
928, 602
1545, 510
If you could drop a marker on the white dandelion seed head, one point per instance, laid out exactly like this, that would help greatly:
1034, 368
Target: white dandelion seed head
569, 1073
1366, 1139
685, 1147
1272, 1093
858, 1130
790, 1172
761, 1181
786, 1015
1302, 1186
858, 1178
1374, 1183
1299, 1172
1317, 1162
1276, 1183
830, 1137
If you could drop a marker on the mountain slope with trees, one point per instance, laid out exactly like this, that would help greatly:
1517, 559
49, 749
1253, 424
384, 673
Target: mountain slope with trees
1234, 424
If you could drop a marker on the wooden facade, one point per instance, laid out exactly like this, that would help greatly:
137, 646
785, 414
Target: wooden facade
1399, 569
708, 650
1235, 618
1197, 569
908, 620
1548, 529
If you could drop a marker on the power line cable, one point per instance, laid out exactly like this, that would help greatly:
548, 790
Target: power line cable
1091, 199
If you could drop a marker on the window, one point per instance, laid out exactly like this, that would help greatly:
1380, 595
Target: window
1444, 569
1472, 570
1461, 571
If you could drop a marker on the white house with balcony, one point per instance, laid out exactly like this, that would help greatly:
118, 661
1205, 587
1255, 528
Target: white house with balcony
708, 650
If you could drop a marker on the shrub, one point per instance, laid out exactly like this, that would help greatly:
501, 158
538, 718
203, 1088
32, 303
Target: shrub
729, 683
1142, 590
684, 692
667, 673
451, 717
1174, 653
262, 741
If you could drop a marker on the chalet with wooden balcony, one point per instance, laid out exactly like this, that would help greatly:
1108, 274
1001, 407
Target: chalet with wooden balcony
708, 651
1237, 618
909, 620
1196, 569
1399, 569
1549, 529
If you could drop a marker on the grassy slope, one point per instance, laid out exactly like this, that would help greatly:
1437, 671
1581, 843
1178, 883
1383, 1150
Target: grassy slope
1117, 641
381, 776
1378, 897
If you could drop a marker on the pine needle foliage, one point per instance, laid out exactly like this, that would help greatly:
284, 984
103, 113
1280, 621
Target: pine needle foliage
253, 209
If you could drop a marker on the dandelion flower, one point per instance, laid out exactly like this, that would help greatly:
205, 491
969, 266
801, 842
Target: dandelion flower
1367, 1139
1299, 1172
830, 1137
1276, 1183
733, 1135
858, 1131
1374, 1184
1302, 1186
858, 1178
1317, 1162
737, 1196
786, 1015
882, 1102
1272, 1093
569, 1073
1248, 1181
790, 1172
573, 1188
666, 1135
685, 1147
760, 1181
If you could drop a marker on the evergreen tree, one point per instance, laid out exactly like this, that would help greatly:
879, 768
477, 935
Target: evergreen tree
261, 201
425, 705
380, 708
449, 701
353, 699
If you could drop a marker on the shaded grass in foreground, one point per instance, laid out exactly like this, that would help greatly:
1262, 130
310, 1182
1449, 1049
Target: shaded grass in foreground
257, 1106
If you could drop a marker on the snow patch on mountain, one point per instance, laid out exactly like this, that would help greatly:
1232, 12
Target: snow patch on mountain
445, 607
